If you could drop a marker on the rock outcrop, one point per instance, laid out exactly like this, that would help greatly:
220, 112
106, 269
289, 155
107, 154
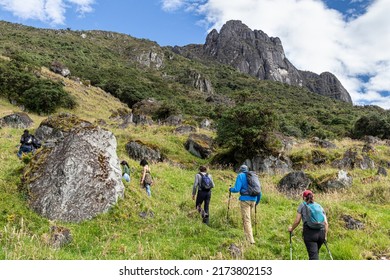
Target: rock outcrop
254, 53
138, 151
78, 176
294, 183
16, 120
199, 145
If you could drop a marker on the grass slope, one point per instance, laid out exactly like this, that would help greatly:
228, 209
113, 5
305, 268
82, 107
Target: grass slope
173, 229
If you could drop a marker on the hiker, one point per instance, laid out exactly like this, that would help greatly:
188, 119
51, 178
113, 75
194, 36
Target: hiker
146, 178
202, 187
247, 202
26, 143
125, 170
313, 237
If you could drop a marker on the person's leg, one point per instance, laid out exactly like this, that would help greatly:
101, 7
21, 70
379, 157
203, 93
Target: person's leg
206, 207
246, 207
148, 191
310, 238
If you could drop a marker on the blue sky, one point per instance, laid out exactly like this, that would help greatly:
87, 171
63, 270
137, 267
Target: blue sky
350, 38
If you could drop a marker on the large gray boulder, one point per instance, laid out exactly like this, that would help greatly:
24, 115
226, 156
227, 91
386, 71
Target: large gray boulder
294, 183
352, 160
17, 120
334, 183
200, 145
138, 150
270, 164
77, 178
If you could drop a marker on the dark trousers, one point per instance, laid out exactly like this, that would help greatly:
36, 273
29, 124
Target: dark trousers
313, 238
203, 197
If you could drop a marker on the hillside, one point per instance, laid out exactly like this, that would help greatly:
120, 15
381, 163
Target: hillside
166, 226
132, 70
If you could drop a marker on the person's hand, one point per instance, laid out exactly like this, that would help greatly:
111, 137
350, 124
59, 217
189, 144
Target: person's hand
290, 229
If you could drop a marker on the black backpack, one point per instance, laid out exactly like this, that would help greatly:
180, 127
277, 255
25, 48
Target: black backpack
205, 182
254, 186
35, 142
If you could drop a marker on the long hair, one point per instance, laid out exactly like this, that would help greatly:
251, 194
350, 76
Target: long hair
123, 162
143, 162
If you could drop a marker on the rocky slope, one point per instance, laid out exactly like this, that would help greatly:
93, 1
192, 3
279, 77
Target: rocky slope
255, 53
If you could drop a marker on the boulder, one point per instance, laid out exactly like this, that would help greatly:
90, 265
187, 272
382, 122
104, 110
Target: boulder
318, 157
60, 236
79, 176
270, 164
58, 68
352, 160
199, 145
17, 120
138, 151
174, 120
323, 143
206, 124
341, 181
294, 183
382, 171
351, 223
184, 129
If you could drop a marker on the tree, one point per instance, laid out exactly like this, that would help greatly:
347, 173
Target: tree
248, 130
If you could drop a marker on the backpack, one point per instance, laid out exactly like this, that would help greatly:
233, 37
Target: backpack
315, 215
205, 182
254, 186
36, 143
148, 179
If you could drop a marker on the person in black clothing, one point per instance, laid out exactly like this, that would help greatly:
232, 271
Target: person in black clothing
26, 144
313, 238
203, 195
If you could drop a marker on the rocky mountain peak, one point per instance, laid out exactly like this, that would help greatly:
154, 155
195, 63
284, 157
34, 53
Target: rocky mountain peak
254, 52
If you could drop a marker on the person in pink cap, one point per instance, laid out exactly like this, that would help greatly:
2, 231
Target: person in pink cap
315, 224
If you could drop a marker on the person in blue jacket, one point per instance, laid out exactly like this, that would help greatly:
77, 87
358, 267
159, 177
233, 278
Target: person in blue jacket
246, 202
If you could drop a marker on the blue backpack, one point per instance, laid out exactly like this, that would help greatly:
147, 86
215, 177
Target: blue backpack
315, 215
205, 183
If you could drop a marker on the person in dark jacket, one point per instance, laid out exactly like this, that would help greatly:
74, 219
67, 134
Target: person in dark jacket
247, 203
203, 195
26, 144
313, 238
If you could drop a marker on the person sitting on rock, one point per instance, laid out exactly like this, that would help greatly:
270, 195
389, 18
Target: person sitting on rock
26, 144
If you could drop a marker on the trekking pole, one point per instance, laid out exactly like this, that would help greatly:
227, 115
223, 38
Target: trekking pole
326, 245
227, 215
290, 246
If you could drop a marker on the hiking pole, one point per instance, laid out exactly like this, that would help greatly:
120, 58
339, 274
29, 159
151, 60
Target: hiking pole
290, 246
227, 215
326, 245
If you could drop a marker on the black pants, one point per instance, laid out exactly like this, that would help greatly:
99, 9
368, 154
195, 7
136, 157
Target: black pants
314, 238
203, 197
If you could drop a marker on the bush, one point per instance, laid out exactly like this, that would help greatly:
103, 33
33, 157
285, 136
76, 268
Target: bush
373, 124
45, 97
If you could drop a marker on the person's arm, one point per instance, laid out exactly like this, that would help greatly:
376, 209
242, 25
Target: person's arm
296, 222
143, 174
237, 185
195, 186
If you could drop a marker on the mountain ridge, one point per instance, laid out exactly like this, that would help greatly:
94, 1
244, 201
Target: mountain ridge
261, 56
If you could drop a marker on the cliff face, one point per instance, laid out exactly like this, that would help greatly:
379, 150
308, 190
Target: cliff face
254, 53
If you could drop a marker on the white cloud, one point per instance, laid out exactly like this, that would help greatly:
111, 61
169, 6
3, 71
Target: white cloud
51, 11
172, 5
318, 39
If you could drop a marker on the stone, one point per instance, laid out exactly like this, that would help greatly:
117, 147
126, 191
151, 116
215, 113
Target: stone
351, 223
334, 183
76, 178
270, 164
294, 183
17, 120
138, 151
199, 145
184, 129
382, 171
60, 236
59, 68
